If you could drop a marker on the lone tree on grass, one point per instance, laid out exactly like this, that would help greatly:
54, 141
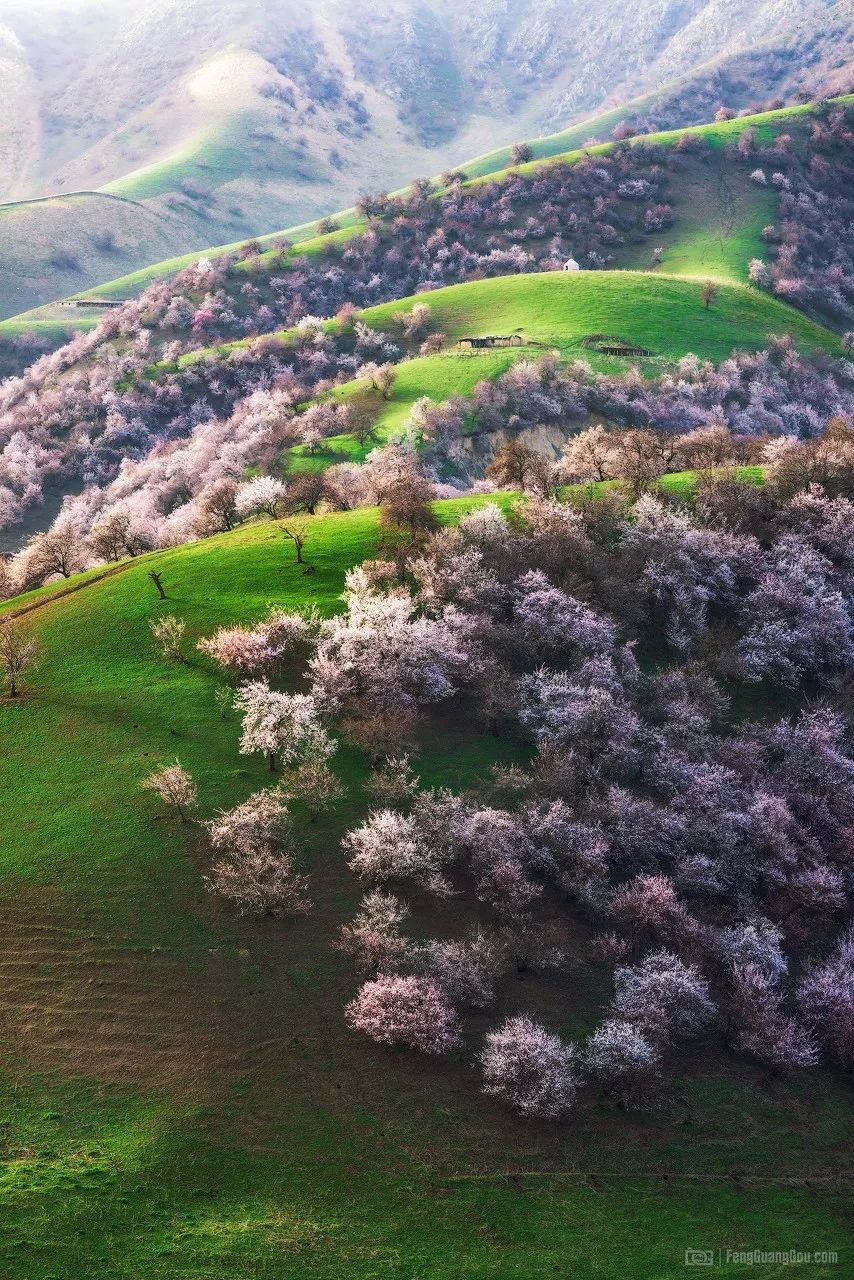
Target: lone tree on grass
168, 635
57, 553
708, 293
175, 787
295, 527
382, 378
407, 1010
19, 651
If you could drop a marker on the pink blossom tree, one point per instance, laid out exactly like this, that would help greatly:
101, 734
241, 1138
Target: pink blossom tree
826, 1001
373, 937
761, 1028
405, 1010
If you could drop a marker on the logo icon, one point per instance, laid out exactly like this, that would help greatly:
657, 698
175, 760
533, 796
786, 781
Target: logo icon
699, 1257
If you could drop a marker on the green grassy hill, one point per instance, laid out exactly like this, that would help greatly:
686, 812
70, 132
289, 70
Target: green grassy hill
180, 1095
557, 311
718, 212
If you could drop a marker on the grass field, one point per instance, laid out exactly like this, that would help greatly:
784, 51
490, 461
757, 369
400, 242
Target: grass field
662, 313
180, 1096
213, 157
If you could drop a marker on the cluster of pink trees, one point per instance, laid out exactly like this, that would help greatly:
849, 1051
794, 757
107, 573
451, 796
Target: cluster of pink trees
704, 859
811, 247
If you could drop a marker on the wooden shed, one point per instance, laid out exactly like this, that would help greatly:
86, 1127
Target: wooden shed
480, 344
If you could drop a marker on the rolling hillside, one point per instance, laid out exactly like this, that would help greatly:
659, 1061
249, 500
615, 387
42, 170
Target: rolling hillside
562, 312
180, 1093
227, 154
719, 215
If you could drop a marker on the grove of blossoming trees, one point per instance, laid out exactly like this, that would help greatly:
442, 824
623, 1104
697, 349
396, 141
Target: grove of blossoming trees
696, 859
705, 853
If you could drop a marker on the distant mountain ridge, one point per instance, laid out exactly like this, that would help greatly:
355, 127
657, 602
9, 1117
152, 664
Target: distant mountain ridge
220, 121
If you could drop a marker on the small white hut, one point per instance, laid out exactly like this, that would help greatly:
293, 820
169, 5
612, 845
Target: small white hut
571, 265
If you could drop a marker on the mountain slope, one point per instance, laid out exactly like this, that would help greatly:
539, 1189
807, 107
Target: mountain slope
229, 120
564, 312
719, 214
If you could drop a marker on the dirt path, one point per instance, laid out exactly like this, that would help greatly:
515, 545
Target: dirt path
70, 590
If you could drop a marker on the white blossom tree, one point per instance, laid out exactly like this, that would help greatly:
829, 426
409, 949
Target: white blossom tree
620, 1058
263, 494
286, 727
529, 1068
405, 1010
390, 845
